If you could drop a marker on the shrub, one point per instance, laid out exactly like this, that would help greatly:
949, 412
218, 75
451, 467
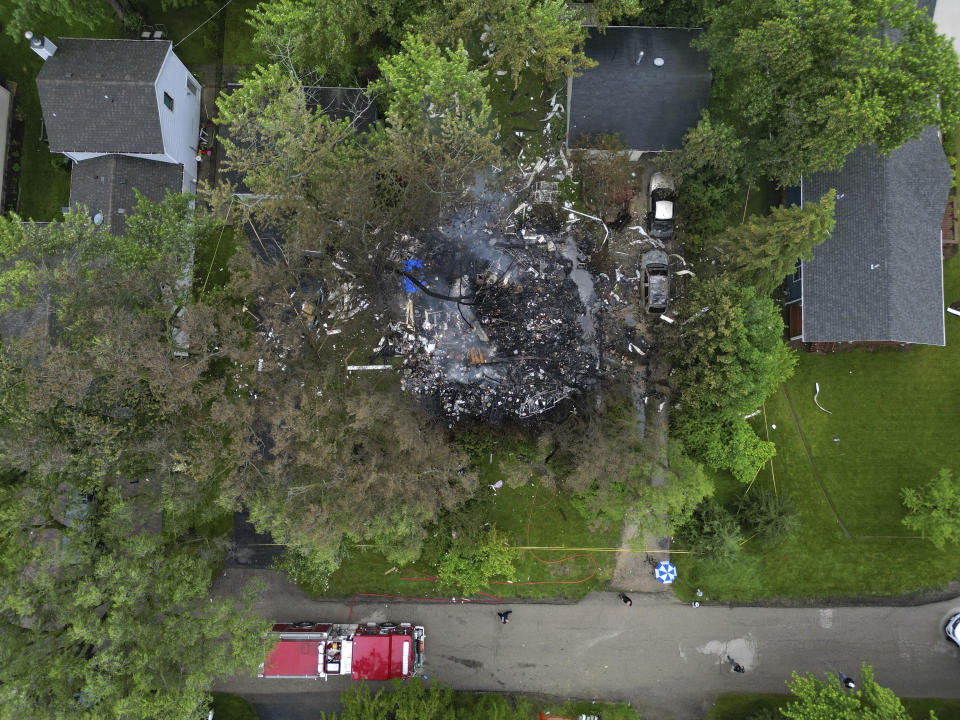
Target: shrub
468, 565
713, 532
768, 515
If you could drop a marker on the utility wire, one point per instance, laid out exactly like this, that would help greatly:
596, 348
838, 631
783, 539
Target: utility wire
205, 21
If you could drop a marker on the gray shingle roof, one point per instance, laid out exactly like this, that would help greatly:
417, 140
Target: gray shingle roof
879, 277
74, 86
929, 5
105, 184
650, 107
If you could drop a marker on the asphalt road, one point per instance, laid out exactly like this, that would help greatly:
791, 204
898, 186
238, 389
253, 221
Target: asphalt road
666, 658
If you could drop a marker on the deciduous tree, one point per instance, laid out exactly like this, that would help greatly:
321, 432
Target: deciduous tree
296, 160
114, 441
728, 355
544, 37
708, 170
812, 80
661, 509
934, 509
471, 563
441, 132
22, 15
664, 13
827, 699
331, 36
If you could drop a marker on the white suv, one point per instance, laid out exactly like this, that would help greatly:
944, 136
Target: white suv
662, 192
952, 628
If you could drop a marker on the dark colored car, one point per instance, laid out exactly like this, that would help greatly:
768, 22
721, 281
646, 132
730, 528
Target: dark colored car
654, 281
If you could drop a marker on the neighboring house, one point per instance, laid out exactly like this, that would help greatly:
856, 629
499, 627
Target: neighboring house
6, 118
879, 277
127, 112
649, 86
106, 184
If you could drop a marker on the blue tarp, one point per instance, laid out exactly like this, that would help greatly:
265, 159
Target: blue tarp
414, 266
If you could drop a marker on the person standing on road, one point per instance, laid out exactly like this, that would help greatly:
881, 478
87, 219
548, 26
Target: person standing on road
737, 667
626, 601
847, 681
504, 616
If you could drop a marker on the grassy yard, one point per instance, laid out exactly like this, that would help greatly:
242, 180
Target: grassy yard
741, 706
554, 522
893, 424
210, 262
201, 47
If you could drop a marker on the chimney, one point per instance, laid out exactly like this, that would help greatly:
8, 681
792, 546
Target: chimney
42, 46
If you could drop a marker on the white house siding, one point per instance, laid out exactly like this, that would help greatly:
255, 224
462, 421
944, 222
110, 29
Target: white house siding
6, 113
947, 17
181, 126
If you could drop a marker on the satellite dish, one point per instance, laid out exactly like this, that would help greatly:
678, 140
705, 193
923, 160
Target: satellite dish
658, 62
98, 219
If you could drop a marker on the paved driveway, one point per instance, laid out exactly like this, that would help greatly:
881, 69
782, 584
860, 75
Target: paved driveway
665, 658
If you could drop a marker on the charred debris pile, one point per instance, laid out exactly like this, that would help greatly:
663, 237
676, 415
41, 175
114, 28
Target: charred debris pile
500, 319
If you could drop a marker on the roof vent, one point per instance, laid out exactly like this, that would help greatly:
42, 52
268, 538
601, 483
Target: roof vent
98, 219
121, 211
108, 98
658, 61
41, 45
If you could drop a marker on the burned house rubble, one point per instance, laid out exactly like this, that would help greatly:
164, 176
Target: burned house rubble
499, 320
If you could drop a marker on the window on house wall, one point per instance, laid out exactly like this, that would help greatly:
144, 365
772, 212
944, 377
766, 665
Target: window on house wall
168, 101
191, 87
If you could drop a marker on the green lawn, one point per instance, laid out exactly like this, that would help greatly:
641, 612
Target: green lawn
895, 416
741, 705
201, 47
211, 258
556, 524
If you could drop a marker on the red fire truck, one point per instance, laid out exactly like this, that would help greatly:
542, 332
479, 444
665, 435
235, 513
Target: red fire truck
365, 652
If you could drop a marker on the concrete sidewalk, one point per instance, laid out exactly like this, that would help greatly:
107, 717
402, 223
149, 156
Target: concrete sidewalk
664, 657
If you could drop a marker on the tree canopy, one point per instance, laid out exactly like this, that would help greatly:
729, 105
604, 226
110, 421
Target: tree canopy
544, 37
728, 356
327, 36
810, 80
934, 509
708, 170
827, 699
112, 455
764, 249
441, 131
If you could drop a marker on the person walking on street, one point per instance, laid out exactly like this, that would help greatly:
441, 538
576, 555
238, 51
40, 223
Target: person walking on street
504, 616
737, 667
847, 681
626, 601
